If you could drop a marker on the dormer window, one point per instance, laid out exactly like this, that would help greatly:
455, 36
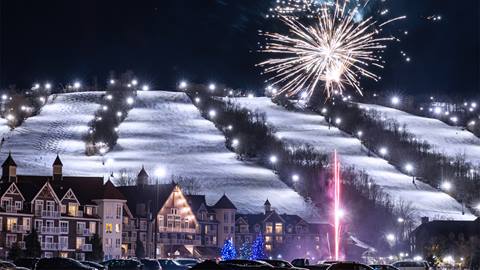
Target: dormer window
18, 205
88, 210
72, 209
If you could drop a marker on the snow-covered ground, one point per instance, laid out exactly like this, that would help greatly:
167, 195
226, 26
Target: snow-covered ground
163, 131
446, 139
166, 133
304, 128
57, 129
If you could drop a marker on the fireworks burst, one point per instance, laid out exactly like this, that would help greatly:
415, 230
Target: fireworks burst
335, 52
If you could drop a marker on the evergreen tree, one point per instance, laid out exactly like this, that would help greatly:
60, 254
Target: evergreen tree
15, 252
228, 250
258, 252
246, 251
97, 249
139, 249
32, 245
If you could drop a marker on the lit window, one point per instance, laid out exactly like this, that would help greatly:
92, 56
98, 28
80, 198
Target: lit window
268, 228
117, 228
278, 228
72, 209
108, 227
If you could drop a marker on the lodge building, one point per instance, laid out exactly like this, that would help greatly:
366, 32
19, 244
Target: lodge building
67, 211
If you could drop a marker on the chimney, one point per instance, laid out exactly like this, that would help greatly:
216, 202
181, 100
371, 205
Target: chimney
142, 177
57, 169
267, 206
9, 169
424, 220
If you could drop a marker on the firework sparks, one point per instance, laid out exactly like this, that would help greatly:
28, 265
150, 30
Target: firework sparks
335, 52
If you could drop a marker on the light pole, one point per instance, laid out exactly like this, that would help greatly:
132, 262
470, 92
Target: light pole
409, 169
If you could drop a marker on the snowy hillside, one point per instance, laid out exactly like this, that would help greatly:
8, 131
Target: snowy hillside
165, 133
299, 128
57, 129
445, 139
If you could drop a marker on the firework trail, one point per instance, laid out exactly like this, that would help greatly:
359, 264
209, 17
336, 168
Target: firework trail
334, 52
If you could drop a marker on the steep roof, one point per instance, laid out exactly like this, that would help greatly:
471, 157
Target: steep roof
57, 161
145, 195
143, 173
267, 203
111, 192
9, 161
196, 201
224, 203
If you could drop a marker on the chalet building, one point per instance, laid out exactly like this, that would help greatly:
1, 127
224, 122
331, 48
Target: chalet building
284, 234
458, 238
169, 223
66, 211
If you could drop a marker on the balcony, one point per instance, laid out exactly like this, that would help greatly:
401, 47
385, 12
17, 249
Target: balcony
47, 214
50, 230
177, 230
62, 246
49, 246
86, 247
83, 232
10, 209
176, 241
18, 228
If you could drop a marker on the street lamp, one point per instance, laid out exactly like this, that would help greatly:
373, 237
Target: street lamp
409, 169
390, 237
145, 87
48, 86
446, 186
295, 178
183, 85
273, 159
211, 87
235, 142
395, 100
212, 113
383, 151
76, 85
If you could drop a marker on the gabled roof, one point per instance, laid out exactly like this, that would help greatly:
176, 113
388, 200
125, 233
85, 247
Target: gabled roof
57, 161
9, 161
145, 194
267, 203
111, 192
273, 217
143, 173
224, 203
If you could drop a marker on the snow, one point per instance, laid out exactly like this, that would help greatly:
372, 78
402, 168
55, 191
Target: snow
166, 133
449, 140
298, 128
57, 129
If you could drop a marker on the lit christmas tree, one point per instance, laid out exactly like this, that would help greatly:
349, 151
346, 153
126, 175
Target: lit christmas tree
246, 251
258, 252
228, 250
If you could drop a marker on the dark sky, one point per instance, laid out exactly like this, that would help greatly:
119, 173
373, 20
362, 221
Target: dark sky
215, 40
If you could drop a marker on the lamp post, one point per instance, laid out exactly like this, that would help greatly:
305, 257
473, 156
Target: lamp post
409, 169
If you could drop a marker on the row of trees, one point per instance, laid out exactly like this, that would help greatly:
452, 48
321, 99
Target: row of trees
430, 166
253, 251
33, 248
248, 135
116, 103
466, 112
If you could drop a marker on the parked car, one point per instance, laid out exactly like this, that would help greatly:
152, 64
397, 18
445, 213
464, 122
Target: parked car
149, 264
187, 261
60, 264
245, 264
383, 267
26, 262
120, 264
411, 265
208, 265
349, 266
281, 265
7, 265
95, 265
168, 264
305, 263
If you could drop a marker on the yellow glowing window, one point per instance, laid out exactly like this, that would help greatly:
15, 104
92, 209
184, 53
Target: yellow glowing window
108, 227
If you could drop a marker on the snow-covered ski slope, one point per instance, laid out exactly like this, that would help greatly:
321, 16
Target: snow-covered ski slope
166, 133
449, 140
298, 128
57, 129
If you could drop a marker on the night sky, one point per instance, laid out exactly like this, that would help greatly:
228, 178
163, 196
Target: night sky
215, 41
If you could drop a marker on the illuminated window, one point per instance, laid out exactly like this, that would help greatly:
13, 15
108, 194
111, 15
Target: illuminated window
72, 209
92, 227
278, 228
117, 227
268, 239
80, 242
11, 222
108, 227
279, 239
89, 211
268, 247
119, 212
269, 228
